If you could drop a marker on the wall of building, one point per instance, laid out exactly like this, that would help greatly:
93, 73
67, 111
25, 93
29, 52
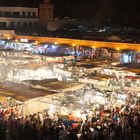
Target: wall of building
56, 24
45, 13
18, 17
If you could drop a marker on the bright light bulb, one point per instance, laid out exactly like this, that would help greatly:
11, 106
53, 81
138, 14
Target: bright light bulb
73, 45
118, 48
55, 43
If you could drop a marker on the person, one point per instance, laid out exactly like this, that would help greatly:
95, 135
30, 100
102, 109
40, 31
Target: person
40, 117
74, 61
45, 132
72, 134
63, 135
95, 134
65, 62
106, 132
112, 133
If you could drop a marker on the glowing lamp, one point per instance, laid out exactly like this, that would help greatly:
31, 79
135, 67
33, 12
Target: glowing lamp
73, 45
55, 43
24, 40
117, 48
36, 42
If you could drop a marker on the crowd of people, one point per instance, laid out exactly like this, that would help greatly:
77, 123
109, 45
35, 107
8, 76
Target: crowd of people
117, 124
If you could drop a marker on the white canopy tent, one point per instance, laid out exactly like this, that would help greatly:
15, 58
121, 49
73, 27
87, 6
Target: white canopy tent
50, 102
35, 105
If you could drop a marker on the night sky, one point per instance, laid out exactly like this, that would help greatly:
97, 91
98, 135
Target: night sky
122, 10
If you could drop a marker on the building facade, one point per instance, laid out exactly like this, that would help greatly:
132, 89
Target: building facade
45, 13
18, 17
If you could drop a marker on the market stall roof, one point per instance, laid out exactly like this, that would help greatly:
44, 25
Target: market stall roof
130, 65
18, 58
21, 92
99, 76
133, 70
14, 51
87, 65
30, 66
39, 97
133, 77
132, 89
54, 85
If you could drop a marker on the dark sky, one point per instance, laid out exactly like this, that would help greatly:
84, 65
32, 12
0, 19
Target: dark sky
123, 10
